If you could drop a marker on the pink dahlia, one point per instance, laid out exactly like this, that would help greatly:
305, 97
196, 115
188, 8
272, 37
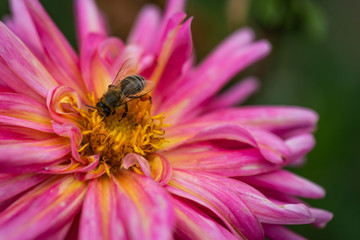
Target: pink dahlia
184, 165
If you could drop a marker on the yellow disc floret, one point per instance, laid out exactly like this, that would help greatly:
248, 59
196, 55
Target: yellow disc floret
113, 137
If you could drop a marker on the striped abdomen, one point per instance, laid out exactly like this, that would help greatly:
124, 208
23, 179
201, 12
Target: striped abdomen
132, 85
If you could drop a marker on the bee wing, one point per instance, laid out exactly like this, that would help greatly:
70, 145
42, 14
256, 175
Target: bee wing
133, 93
127, 68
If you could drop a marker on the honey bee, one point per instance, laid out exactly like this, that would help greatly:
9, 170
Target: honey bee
125, 88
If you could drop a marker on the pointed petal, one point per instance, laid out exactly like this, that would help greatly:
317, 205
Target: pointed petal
219, 199
322, 217
145, 28
277, 232
128, 206
43, 210
31, 156
288, 183
23, 26
212, 159
20, 110
23, 63
272, 147
280, 119
11, 185
191, 223
181, 51
235, 95
61, 60
210, 78
300, 145
89, 19
15, 134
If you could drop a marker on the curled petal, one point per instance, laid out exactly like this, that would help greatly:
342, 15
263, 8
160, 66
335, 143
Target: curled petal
63, 104
219, 199
132, 159
89, 19
54, 203
100, 170
15, 134
161, 169
23, 63
11, 185
191, 223
212, 159
74, 134
288, 183
74, 166
127, 201
23, 111
32, 156
270, 146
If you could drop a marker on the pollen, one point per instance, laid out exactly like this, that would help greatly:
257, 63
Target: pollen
113, 137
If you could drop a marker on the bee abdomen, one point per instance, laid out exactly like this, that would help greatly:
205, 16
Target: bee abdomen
132, 84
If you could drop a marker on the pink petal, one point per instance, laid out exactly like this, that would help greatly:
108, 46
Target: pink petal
89, 19
271, 146
224, 162
322, 217
235, 95
173, 7
300, 145
23, 26
62, 61
145, 28
10, 82
97, 59
181, 50
20, 110
11, 185
222, 201
132, 158
74, 134
31, 156
44, 210
277, 232
288, 183
161, 169
63, 104
23, 63
210, 77
14, 134
127, 206
280, 120
191, 223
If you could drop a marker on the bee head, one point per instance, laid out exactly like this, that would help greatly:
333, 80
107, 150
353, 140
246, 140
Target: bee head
103, 109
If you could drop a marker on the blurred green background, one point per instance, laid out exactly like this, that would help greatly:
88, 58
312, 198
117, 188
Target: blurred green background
314, 63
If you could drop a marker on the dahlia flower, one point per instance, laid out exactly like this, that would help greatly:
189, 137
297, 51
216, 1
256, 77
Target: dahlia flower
184, 165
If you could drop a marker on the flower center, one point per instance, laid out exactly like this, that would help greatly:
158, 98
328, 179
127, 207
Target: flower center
113, 137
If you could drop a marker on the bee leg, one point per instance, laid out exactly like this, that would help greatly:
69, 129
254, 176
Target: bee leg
125, 112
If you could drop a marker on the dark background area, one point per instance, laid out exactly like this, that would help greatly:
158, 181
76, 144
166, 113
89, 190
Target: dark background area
314, 63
